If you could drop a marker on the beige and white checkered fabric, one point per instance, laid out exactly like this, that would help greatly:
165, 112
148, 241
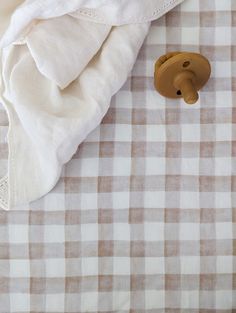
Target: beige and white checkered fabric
143, 219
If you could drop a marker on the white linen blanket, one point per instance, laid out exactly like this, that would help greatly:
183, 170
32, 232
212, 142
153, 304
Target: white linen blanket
61, 62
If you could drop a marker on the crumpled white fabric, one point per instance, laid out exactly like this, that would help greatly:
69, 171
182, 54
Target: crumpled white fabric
61, 63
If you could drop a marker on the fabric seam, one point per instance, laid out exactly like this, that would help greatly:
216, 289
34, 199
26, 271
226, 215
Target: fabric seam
85, 12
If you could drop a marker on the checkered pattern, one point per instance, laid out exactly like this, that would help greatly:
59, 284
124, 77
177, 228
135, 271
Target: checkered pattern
143, 219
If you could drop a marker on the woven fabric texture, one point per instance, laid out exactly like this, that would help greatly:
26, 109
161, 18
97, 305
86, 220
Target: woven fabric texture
143, 217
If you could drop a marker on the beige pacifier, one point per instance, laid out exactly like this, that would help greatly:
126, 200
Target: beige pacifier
181, 75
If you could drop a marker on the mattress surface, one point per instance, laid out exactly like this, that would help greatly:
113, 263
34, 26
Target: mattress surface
143, 217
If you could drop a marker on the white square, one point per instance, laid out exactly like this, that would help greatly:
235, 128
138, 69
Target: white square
224, 299
224, 264
224, 230
55, 267
154, 199
154, 266
89, 301
223, 5
55, 302
123, 99
156, 133
89, 167
190, 6
153, 99
123, 132
190, 36
222, 36
18, 233
89, 201
223, 166
189, 166
223, 200
121, 166
156, 35
19, 268
190, 132
155, 166
89, 266
189, 231
150, 67
189, 200
121, 231
224, 132
54, 233
89, 232
154, 231
120, 200
3, 166
190, 299
121, 266
223, 99
190, 265
54, 202
154, 299
20, 302
222, 69
121, 300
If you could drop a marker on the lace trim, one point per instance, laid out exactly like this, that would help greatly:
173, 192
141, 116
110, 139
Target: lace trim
4, 193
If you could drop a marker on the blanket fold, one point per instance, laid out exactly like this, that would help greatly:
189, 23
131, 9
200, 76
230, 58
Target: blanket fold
58, 74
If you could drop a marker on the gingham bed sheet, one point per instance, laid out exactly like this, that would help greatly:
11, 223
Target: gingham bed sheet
143, 217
